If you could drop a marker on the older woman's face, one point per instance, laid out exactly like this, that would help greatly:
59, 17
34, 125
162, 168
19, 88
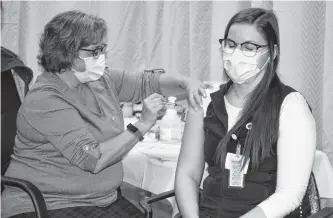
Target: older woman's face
94, 51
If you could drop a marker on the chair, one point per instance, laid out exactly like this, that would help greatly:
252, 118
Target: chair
10, 103
312, 191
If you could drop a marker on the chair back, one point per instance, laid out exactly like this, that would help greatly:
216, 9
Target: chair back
311, 201
313, 195
10, 101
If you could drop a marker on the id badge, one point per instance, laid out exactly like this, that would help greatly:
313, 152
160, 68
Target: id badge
235, 179
236, 173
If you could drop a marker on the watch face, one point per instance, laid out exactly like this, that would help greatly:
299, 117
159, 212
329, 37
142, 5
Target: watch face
132, 128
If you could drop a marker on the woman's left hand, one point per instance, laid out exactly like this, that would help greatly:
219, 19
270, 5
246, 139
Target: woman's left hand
195, 91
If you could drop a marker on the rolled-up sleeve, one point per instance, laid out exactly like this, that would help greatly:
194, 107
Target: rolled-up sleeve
135, 86
61, 125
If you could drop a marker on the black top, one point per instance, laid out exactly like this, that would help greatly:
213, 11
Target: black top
218, 200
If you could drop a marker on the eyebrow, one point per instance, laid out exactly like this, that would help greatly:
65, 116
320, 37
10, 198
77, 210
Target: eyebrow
93, 47
247, 41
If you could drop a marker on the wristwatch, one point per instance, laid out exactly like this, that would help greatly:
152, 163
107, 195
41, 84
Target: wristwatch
135, 130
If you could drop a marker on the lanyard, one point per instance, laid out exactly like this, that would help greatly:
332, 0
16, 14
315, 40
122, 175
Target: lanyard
234, 136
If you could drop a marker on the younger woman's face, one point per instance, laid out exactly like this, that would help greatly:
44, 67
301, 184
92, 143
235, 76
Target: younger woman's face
240, 33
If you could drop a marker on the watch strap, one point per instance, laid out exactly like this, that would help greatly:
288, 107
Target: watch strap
135, 131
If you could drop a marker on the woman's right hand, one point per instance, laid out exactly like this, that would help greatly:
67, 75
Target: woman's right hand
150, 108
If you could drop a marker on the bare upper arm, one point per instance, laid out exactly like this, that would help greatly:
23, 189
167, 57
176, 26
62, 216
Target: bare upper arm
191, 158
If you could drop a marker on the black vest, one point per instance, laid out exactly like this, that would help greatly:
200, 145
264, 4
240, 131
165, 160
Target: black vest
219, 201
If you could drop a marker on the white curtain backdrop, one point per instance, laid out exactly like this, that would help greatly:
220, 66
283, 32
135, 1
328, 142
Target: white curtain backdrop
182, 37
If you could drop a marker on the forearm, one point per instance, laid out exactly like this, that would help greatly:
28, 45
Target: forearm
113, 150
135, 87
187, 196
288, 200
172, 85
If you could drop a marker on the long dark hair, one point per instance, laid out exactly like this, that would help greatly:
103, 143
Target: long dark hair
263, 103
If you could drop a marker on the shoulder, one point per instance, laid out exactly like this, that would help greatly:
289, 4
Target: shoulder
113, 73
295, 100
292, 99
212, 89
113, 77
45, 96
295, 109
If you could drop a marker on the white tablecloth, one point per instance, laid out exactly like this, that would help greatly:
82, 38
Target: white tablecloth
150, 173
144, 168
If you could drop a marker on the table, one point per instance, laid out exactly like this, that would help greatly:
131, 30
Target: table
150, 174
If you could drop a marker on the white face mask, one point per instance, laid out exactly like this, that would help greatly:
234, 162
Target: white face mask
94, 69
240, 68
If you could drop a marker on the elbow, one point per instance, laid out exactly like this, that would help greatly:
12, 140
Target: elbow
101, 164
295, 197
93, 169
288, 201
97, 169
292, 199
296, 200
185, 179
93, 165
189, 174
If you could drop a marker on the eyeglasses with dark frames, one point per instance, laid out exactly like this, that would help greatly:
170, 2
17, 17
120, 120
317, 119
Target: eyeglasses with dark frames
249, 49
97, 51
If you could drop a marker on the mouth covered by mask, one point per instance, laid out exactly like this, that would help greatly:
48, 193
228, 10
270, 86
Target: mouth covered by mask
94, 69
240, 68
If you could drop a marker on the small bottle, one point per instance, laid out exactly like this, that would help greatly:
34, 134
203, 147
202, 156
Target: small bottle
171, 125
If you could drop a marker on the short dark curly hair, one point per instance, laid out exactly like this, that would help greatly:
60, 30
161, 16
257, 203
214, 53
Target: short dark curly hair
64, 35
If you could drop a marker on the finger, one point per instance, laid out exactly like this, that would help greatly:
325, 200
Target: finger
154, 104
197, 97
207, 86
150, 97
155, 101
158, 107
191, 100
156, 96
164, 98
202, 92
150, 101
155, 109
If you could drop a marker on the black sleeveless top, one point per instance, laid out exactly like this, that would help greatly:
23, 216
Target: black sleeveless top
219, 201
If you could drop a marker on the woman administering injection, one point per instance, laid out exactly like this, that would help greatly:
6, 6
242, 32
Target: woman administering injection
71, 139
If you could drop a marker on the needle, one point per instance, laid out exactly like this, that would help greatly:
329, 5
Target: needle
171, 104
